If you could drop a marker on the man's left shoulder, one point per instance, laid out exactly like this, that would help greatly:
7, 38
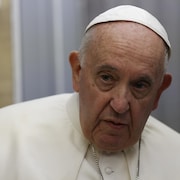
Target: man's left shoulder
160, 151
160, 133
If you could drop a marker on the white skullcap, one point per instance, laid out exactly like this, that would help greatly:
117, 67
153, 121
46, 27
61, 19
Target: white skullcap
134, 14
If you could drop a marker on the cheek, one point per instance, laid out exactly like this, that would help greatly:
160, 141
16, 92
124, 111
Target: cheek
91, 105
140, 111
88, 107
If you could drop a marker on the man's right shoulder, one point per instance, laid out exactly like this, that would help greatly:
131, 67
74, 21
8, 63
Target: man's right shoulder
37, 106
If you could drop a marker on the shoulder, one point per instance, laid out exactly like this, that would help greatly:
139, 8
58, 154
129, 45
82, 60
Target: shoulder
160, 148
41, 131
35, 106
161, 137
157, 129
39, 119
49, 111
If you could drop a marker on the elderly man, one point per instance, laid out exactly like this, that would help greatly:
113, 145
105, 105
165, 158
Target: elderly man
104, 130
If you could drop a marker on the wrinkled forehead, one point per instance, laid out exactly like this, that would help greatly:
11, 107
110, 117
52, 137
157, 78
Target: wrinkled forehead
124, 41
123, 31
132, 14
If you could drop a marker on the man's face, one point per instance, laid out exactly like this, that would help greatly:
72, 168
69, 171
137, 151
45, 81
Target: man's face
119, 83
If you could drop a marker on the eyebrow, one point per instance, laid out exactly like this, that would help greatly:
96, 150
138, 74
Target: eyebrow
106, 67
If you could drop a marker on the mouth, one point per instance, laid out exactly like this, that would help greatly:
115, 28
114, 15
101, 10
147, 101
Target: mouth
115, 125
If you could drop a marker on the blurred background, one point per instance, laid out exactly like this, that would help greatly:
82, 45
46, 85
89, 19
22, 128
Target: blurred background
36, 37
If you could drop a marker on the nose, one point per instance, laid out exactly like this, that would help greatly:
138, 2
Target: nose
120, 103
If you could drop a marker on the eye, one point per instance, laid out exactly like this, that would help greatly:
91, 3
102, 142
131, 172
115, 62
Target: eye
141, 85
141, 88
106, 78
105, 81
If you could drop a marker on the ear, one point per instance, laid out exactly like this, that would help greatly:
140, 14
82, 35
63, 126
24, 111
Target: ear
75, 67
165, 84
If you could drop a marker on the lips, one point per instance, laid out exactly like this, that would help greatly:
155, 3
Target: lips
114, 124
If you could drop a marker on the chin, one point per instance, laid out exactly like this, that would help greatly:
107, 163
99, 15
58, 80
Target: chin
109, 148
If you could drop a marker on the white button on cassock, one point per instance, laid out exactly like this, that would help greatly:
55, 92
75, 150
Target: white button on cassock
109, 171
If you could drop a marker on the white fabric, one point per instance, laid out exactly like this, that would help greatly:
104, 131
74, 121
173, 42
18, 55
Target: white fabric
42, 140
134, 14
111, 165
